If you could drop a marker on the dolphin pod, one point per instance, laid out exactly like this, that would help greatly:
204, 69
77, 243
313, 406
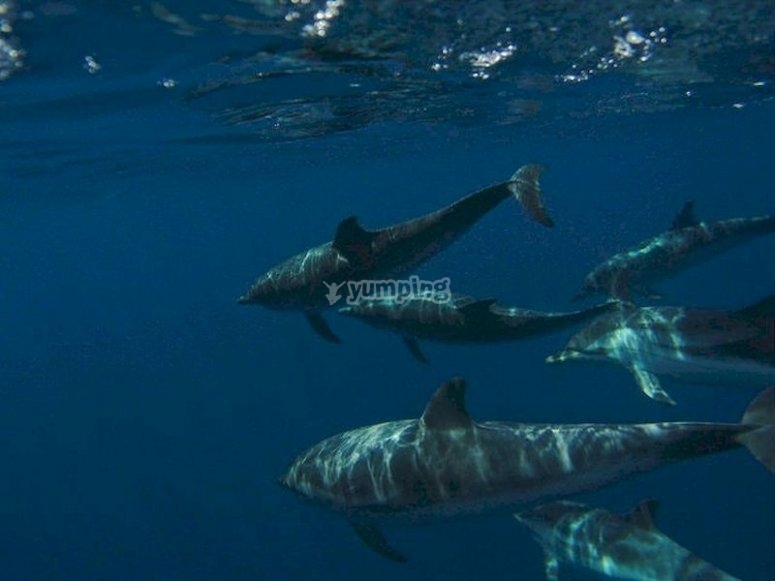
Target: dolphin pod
444, 464
300, 283
628, 546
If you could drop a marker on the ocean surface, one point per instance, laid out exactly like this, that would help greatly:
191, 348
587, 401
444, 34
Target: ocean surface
157, 156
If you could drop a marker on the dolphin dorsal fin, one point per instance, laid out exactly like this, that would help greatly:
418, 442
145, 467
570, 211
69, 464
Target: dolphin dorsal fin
447, 408
685, 217
643, 514
480, 308
352, 240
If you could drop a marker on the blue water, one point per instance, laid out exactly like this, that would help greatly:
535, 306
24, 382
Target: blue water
145, 417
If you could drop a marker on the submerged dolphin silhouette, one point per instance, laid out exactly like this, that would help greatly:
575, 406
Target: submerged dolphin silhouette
299, 283
461, 319
684, 245
621, 546
444, 464
714, 346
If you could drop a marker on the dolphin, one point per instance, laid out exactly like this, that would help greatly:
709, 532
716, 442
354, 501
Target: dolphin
300, 282
444, 464
621, 546
455, 318
687, 243
694, 345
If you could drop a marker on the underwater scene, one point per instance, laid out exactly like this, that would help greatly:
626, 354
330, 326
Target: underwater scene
326, 289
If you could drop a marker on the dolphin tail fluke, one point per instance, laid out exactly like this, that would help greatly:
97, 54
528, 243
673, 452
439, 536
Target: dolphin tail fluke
319, 325
761, 440
525, 187
375, 540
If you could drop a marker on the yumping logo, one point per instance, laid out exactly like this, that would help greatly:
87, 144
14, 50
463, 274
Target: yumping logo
333, 292
400, 291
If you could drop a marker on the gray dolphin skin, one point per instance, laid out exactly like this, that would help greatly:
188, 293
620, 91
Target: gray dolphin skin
444, 464
735, 348
686, 244
453, 318
302, 282
620, 546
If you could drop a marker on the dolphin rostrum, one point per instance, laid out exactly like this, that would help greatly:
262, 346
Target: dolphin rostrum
705, 345
456, 318
300, 283
444, 464
626, 546
687, 243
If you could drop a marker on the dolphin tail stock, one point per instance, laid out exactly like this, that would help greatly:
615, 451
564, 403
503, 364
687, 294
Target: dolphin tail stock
524, 186
760, 440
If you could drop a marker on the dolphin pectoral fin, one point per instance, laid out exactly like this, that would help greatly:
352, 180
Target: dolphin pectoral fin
319, 325
649, 384
414, 348
551, 565
375, 540
353, 241
685, 217
524, 186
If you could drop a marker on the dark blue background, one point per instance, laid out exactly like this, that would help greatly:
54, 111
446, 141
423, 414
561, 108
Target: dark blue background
145, 417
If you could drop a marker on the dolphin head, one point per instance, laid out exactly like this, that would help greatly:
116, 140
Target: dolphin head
300, 281
593, 283
598, 341
305, 478
265, 291
608, 278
